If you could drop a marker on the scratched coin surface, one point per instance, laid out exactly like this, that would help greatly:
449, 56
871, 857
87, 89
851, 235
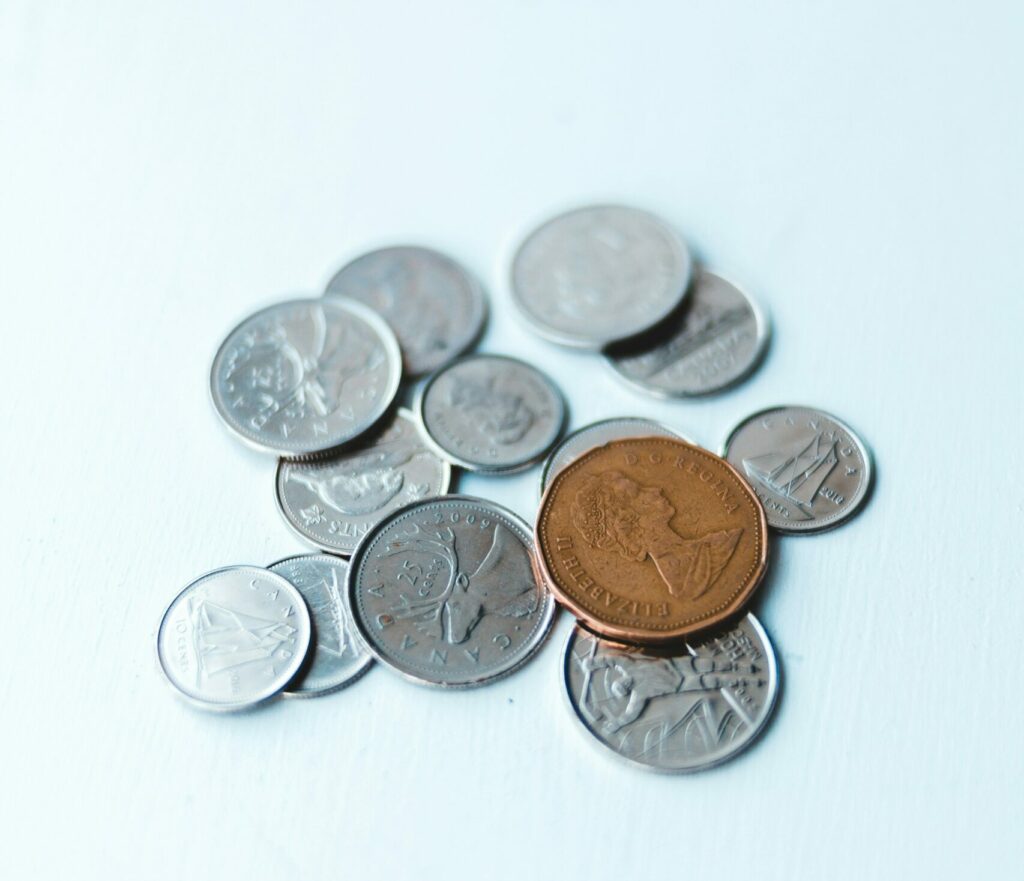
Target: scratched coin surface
332, 503
713, 342
233, 638
305, 376
594, 435
435, 307
811, 471
651, 539
492, 413
336, 658
599, 274
444, 592
676, 710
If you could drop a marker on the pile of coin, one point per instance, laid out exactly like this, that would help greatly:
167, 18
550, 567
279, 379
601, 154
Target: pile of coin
655, 544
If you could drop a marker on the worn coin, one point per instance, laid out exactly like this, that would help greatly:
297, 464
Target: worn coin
234, 637
435, 307
305, 376
678, 710
336, 656
599, 274
334, 502
492, 413
713, 342
444, 592
811, 471
596, 434
651, 539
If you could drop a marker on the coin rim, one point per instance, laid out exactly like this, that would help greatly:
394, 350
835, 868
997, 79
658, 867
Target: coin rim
866, 455
477, 294
346, 553
642, 637
468, 464
392, 353
763, 325
263, 696
596, 343
531, 648
774, 678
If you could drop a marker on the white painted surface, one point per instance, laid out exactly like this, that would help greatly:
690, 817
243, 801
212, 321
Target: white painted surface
168, 168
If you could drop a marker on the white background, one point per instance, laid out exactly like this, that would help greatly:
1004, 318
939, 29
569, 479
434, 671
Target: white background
166, 169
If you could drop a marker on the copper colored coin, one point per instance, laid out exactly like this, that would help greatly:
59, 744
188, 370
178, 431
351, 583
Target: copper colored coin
651, 539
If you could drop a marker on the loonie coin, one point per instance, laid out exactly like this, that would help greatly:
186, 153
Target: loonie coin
334, 502
599, 274
678, 710
492, 413
435, 307
596, 434
811, 471
336, 656
305, 376
233, 638
444, 592
651, 539
716, 340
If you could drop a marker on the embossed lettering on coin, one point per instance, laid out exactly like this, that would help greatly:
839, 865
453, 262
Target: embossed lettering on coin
444, 592
650, 539
492, 413
673, 710
435, 307
334, 502
305, 376
810, 470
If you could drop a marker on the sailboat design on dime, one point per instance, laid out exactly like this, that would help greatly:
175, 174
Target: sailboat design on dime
225, 639
796, 473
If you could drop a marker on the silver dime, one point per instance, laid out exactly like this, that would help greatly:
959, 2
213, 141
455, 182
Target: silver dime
595, 275
435, 307
492, 413
596, 434
305, 376
332, 503
810, 471
336, 657
716, 340
233, 638
444, 592
679, 711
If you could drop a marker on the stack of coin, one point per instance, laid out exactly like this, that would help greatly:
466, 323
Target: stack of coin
654, 543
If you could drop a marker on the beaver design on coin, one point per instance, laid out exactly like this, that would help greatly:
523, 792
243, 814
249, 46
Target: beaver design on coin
651, 539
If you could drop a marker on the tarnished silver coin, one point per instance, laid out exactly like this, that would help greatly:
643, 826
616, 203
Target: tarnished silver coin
676, 711
332, 503
810, 471
305, 376
716, 340
599, 274
492, 413
336, 656
233, 638
444, 592
435, 307
597, 434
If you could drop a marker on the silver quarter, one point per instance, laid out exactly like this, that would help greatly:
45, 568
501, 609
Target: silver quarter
716, 340
306, 376
332, 503
336, 656
597, 434
680, 711
444, 592
233, 638
492, 413
810, 471
435, 307
596, 275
